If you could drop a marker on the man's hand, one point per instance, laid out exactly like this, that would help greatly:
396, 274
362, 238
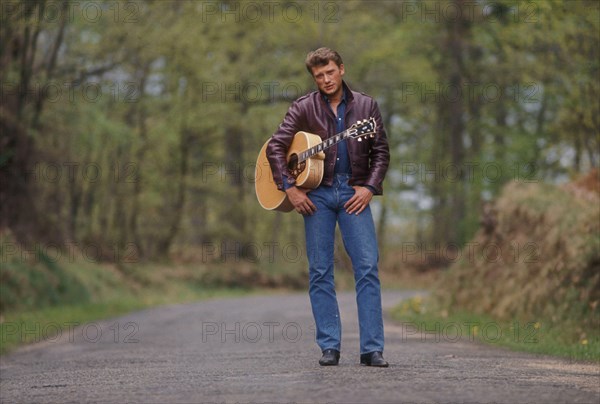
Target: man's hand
359, 201
301, 202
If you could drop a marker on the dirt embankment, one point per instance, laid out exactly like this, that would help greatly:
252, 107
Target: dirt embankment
536, 256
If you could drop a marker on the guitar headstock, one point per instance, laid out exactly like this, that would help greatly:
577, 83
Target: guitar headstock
363, 129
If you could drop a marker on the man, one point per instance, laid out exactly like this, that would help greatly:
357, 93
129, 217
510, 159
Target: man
354, 172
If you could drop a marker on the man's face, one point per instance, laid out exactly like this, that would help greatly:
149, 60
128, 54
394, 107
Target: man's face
329, 78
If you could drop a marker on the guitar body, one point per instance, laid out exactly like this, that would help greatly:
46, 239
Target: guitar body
305, 160
308, 173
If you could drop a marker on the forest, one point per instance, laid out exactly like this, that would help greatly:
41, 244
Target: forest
130, 129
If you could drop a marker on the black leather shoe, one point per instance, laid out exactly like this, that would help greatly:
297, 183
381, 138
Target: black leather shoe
373, 359
330, 357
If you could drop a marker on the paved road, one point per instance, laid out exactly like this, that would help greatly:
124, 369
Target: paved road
261, 349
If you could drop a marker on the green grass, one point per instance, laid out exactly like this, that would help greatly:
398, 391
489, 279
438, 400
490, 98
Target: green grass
534, 335
42, 298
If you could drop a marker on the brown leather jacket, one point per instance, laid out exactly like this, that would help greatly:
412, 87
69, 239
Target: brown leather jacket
369, 159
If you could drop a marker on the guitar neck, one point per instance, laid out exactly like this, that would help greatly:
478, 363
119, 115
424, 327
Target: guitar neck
325, 144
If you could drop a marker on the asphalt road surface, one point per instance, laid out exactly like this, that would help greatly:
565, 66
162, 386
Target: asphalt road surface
261, 349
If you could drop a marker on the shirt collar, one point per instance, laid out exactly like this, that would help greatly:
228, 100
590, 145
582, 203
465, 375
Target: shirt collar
344, 99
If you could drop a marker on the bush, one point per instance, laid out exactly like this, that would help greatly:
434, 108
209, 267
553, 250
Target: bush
37, 283
538, 259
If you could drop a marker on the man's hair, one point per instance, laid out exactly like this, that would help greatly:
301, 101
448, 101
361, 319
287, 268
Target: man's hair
321, 57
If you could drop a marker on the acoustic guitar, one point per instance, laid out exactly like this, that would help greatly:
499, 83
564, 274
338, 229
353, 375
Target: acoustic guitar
305, 160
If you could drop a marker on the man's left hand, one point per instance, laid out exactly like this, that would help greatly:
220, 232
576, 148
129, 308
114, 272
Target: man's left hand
359, 201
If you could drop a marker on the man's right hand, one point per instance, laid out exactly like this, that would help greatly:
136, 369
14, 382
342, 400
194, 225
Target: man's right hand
301, 201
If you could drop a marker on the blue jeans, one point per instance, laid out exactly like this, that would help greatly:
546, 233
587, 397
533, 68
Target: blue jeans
358, 234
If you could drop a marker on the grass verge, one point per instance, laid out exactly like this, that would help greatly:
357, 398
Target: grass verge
42, 298
531, 335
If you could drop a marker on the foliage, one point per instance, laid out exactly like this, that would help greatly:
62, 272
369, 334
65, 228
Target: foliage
536, 260
134, 125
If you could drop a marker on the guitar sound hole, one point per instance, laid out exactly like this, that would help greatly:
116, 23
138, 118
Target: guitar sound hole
295, 168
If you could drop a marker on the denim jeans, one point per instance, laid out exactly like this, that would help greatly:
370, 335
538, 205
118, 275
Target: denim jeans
358, 235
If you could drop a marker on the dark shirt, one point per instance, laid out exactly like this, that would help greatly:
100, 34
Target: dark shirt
342, 164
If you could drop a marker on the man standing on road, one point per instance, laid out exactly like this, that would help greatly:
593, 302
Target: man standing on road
354, 172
